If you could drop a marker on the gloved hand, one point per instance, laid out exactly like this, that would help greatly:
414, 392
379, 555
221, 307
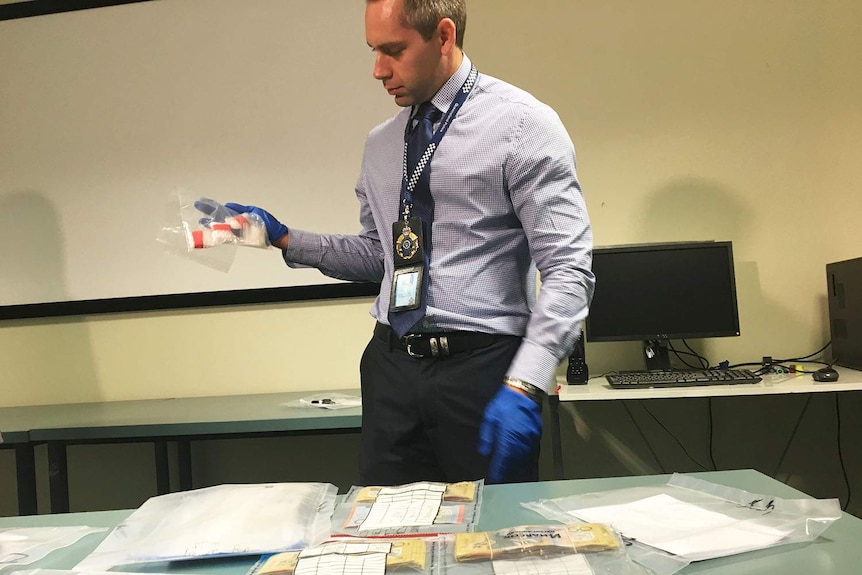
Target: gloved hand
275, 230
510, 433
215, 211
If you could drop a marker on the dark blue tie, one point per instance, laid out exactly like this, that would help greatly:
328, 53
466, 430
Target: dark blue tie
423, 206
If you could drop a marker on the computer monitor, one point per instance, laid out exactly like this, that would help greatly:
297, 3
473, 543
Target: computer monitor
658, 292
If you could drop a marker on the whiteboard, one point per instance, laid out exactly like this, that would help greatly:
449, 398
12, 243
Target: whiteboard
106, 113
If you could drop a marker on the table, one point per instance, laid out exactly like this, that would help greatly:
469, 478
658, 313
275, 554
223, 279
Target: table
16, 435
837, 552
597, 388
159, 421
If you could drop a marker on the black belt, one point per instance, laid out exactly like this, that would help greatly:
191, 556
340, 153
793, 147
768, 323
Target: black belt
435, 344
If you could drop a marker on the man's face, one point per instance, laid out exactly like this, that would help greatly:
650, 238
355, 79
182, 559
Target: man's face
407, 65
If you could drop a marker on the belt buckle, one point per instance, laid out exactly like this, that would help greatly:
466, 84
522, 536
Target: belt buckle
408, 344
439, 345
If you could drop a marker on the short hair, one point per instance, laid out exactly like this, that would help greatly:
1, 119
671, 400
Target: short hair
424, 16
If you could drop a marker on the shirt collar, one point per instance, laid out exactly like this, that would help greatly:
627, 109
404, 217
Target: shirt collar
446, 94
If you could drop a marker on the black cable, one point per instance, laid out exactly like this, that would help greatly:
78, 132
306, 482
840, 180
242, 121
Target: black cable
794, 369
803, 358
711, 433
821, 350
674, 437
704, 363
679, 355
645, 440
841, 452
751, 363
792, 435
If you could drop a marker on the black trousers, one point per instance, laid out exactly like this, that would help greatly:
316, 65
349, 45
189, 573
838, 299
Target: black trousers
421, 416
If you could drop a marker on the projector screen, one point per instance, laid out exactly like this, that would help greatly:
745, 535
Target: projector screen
106, 113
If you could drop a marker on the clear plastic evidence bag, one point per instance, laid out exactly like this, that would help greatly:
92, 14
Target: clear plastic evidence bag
219, 521
415, 508
690, 519
206, 232
574, 549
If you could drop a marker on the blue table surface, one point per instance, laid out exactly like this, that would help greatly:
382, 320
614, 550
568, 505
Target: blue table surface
838, 551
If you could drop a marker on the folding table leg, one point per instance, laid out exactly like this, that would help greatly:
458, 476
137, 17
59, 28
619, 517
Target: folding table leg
58, 477
25, 468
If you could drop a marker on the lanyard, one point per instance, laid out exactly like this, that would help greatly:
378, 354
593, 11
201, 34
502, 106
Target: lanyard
408, 181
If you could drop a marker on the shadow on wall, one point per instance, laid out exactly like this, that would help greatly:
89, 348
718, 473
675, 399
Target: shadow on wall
44, 360
693, 209
31, 253
699, 209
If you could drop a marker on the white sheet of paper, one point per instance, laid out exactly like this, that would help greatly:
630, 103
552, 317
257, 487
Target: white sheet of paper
410, 505
368, 564
565, 565
682, 528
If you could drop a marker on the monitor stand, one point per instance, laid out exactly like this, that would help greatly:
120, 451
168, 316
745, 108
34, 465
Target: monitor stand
656, 355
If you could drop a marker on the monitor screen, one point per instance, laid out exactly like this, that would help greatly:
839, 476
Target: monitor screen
663, 291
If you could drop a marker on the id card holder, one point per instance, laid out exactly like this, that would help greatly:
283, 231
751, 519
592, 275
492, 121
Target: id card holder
408, 247
406, 290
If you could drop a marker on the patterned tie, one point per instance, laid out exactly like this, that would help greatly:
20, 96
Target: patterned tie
423, 206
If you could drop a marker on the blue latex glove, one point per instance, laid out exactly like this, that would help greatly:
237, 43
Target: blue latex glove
275, 230
510, 433
214, 210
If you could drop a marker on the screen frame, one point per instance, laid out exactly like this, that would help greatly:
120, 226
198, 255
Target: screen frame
726, 247
197, 300
299, 286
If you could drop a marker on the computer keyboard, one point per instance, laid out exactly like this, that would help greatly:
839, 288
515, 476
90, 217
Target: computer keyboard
680, 378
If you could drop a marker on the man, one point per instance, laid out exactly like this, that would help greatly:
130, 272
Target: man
454, 227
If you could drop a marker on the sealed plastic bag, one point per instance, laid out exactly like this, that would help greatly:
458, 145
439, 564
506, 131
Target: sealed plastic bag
213, 224
411, 555
69, 572
690, 519
575, 548
219, 521
25, 545
207, 232
416, 508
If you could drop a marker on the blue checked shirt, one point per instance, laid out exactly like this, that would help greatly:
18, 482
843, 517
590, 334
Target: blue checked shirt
507, 202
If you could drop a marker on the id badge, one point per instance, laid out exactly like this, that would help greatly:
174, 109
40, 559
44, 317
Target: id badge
408, 242
406, 290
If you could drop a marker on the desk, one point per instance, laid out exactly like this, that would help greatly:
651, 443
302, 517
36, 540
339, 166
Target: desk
16, 435
597, 388
160, 421
836, 553
164, 420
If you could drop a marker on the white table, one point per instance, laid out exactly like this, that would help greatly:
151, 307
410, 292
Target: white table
597, 388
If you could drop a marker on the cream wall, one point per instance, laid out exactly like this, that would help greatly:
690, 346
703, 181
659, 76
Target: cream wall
252, 349
732, 120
